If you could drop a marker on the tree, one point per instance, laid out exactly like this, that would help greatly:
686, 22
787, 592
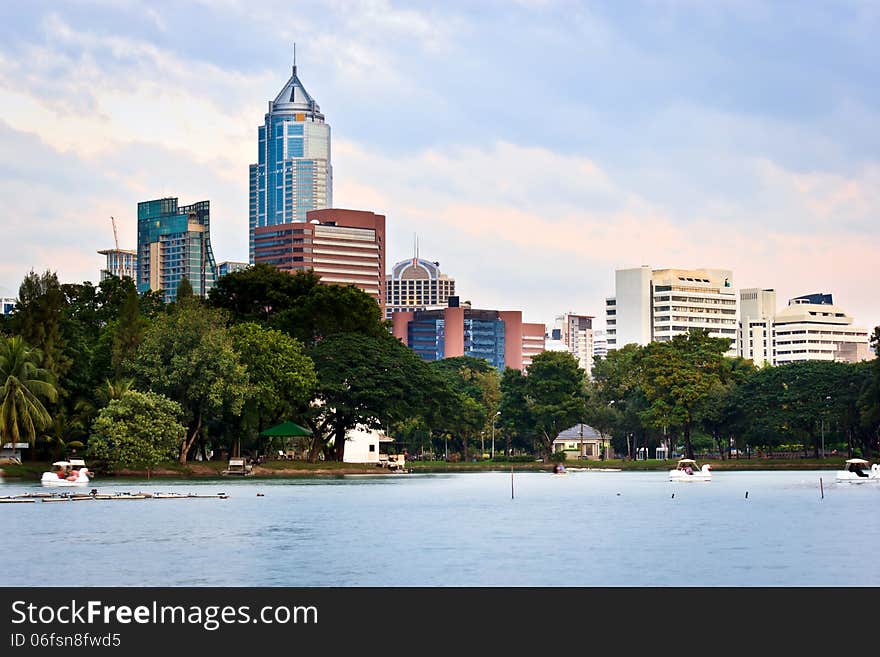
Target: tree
326, 310
188, 356
364, 380
475, 395
184, 289
679, 376
281, 375
869, 400
24, 383
37, 318
616, 401
142, 429
555, 395
127, 331
259, 292
516, 417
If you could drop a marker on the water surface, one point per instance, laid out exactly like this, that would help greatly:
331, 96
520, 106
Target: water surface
584, 529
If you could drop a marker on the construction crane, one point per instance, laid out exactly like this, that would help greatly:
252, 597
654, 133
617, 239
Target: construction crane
115, 236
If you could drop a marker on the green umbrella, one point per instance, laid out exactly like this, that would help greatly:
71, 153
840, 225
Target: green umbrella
286, 429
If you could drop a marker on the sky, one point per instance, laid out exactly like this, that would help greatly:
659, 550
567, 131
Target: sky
533, 146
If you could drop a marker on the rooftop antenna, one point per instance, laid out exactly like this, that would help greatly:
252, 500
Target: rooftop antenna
115, 236
294, 57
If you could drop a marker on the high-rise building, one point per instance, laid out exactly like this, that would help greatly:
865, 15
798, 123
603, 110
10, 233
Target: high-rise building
655, 305
811, 327
498, 336
120, 263
417, 284
343, 247
174, 242
600, 344
229, 266
293, 174
576, 332
757, 308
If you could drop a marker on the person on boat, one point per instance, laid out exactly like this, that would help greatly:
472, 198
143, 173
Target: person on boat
689, 470
60, 473
857, 468
73, 476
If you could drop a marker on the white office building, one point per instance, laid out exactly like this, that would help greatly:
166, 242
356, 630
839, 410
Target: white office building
811, 327
600, 344
656, 304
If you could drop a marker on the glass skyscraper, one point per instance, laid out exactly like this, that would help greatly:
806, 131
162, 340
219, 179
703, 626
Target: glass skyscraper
293, 173
174, 242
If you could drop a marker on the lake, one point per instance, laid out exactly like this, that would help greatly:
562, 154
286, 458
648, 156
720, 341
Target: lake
584, 529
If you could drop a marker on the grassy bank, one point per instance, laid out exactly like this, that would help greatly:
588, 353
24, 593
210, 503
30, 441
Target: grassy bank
31, 471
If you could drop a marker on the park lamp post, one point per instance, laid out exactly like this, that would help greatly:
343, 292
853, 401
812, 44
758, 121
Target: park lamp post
494, 417
822, 425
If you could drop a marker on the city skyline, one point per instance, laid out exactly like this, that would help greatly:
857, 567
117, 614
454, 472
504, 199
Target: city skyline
535, 148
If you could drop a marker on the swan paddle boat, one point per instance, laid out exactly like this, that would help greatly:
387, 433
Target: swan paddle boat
687, 470
854, 472
66, 474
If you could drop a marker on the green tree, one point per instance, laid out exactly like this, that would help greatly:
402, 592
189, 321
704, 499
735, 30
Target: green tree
616, 401
127, 331
516, 419
326, 310
364, 380
282, 377
678, 378
188, 356
142, 429
475, 388
556, 396
37, 319
869, 401
24, 385
259, 292
184, 289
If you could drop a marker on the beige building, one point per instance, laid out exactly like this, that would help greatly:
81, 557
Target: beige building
656, 304
576, 332
810, 327
417, 284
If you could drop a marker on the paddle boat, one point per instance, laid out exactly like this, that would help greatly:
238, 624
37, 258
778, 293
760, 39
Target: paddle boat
66, 474
687, 470
854, 472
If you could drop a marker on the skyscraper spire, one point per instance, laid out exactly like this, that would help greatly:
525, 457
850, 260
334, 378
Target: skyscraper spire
293, 174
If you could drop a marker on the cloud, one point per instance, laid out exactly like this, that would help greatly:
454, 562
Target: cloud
534, 148
526, 227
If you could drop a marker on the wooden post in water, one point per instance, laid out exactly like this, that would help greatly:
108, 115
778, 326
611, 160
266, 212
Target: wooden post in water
511, 482
821, 488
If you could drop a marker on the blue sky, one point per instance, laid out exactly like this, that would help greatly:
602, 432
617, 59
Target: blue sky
534, 146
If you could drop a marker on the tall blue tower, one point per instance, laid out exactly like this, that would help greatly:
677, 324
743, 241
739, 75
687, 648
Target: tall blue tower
293, 173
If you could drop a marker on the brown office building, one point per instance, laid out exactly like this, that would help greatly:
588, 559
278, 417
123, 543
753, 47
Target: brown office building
343, 247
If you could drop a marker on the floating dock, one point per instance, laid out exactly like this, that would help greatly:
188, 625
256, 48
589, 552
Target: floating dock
95, 495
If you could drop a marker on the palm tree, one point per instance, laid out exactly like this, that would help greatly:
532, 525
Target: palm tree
58, 437
113, 389
22, 384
